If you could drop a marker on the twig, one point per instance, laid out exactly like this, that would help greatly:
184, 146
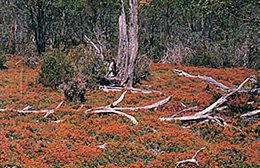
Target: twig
192, 160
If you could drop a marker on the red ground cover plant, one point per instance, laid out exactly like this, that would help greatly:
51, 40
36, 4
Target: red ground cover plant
30, 140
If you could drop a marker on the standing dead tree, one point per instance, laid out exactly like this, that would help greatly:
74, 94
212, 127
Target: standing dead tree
128, 46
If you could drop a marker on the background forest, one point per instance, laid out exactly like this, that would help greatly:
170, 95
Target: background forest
198, 32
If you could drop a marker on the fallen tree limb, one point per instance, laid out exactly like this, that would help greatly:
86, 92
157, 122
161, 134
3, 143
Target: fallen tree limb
154, 105
206, 113
251, 113
219, 85
192, 160
119, 100
50, 112
221, 100
117, 88
26, 110
110, 110
172, 117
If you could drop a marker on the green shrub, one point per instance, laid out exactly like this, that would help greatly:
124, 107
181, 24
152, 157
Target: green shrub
71, 71
141, 69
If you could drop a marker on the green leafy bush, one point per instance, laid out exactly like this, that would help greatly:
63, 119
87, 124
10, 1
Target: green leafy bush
71, 71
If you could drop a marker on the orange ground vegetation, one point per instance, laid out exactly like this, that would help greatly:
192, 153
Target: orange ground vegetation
30, 140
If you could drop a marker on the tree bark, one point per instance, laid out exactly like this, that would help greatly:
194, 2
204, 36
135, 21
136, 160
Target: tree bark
128, 48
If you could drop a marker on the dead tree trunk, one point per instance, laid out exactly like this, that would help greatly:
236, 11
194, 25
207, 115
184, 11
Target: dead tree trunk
128, 47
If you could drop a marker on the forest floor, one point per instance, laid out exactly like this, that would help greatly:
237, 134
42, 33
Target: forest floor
72, 138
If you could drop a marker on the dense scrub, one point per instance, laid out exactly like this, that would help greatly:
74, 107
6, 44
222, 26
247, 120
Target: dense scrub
72, 71
30, 140
192, 33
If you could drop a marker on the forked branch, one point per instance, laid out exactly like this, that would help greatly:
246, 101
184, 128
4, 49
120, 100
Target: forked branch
192, 160
112, 109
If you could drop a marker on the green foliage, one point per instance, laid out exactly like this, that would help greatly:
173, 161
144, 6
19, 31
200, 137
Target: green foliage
72, 71
141, 69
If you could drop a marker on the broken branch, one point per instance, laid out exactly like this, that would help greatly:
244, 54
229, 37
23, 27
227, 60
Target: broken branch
110, 110
154, 105
172, 117
218, 84
116, 88
251, 113
192, 160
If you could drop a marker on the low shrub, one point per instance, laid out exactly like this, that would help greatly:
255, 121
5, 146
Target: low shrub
71, 71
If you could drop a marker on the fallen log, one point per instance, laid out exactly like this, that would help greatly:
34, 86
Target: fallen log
219, 85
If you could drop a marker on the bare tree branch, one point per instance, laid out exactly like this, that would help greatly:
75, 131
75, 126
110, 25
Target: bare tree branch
116, 88
192, 160
154, 105
172, 117
218, 84
110, 110
251, 113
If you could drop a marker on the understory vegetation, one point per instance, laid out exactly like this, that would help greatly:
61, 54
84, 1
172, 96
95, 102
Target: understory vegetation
31, 140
